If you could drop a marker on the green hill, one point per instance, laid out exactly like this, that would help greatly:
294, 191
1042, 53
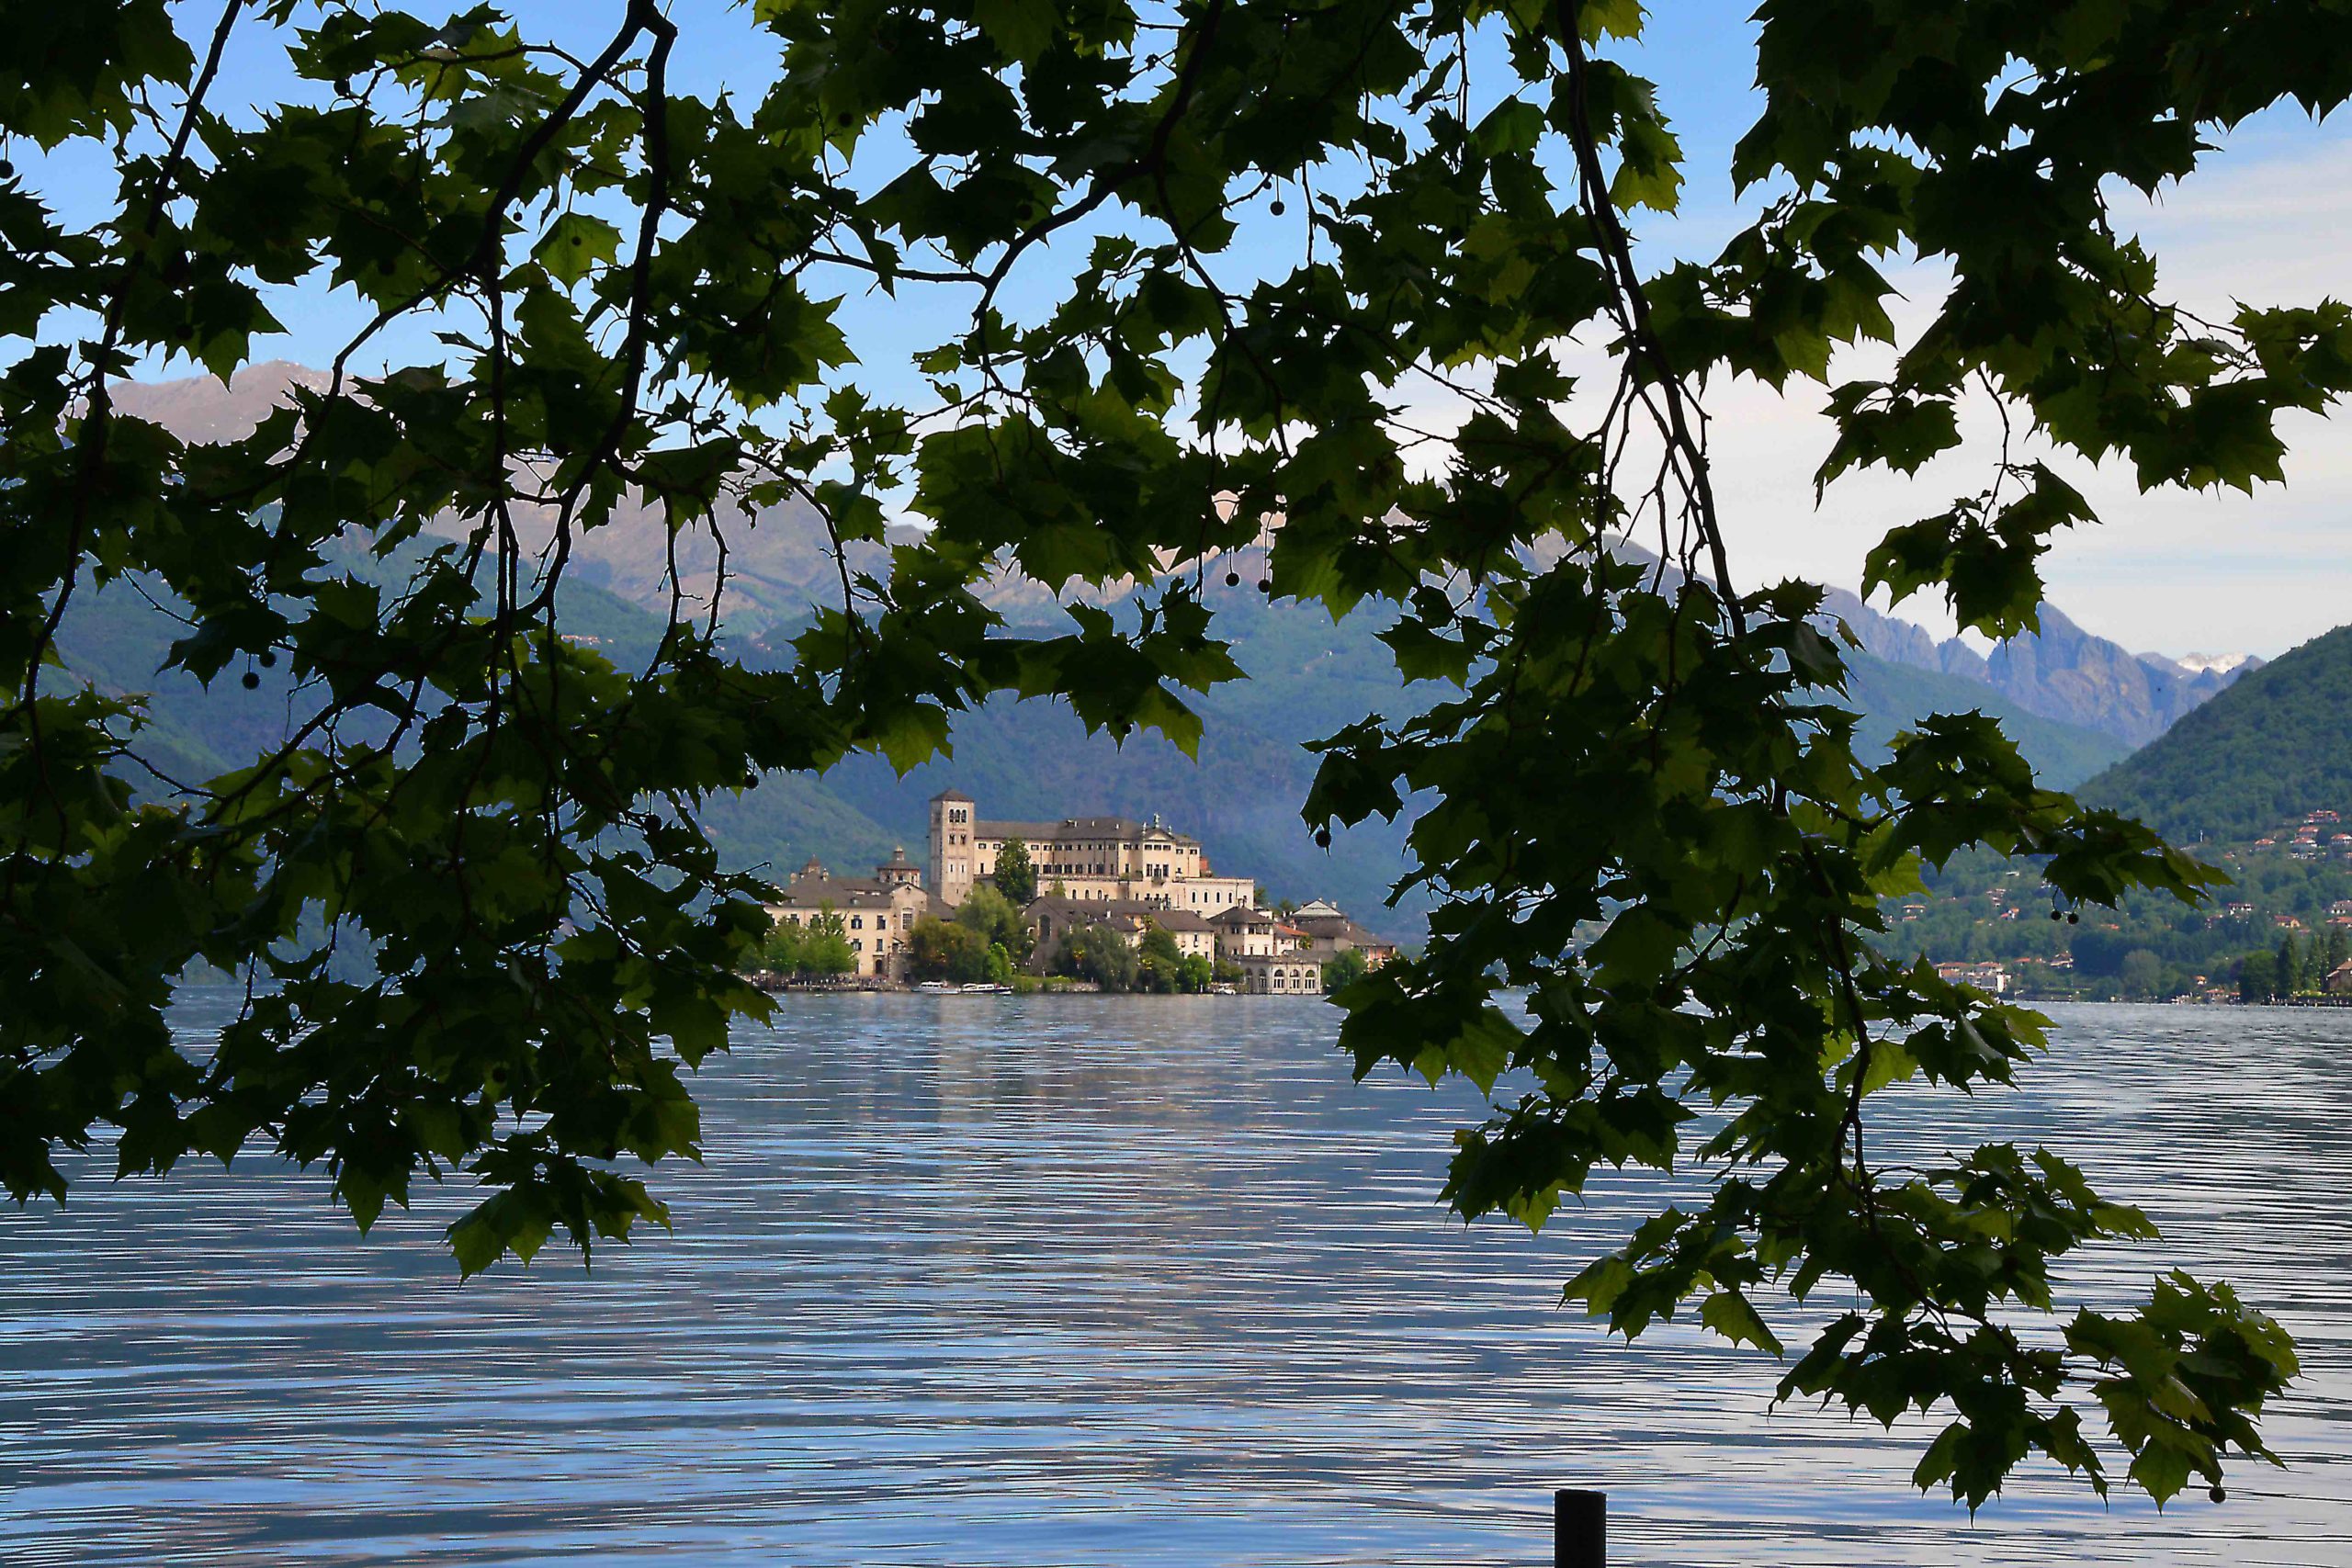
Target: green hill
2270, 749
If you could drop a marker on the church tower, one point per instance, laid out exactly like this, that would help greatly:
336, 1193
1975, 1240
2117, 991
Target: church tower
952, 855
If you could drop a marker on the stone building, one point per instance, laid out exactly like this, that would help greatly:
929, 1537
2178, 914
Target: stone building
1328, 932
1247, 939
1052, 920
1244, 932
1281, 975
1098, 859
877, 914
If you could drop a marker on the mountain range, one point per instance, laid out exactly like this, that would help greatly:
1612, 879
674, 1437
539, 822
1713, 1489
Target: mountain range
2061, 671
2074, 703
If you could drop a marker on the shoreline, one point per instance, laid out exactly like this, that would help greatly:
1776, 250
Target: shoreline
868, 986
2312, 1002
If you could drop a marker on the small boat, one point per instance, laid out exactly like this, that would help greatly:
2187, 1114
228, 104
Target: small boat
938, 987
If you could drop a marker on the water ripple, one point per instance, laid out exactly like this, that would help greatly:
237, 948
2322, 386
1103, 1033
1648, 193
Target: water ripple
973, 1281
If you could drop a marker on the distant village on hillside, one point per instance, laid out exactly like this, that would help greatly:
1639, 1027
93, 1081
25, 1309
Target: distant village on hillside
1105, 902
2282, 932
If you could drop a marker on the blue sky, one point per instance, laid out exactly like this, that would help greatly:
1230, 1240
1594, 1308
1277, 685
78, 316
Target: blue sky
2171, 573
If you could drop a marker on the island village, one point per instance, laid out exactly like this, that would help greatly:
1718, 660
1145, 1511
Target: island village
996, 898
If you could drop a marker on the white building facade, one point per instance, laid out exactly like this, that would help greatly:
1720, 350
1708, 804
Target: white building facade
1099, 859
878, 915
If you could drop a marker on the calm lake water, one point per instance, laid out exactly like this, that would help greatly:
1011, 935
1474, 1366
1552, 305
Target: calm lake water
979, 1280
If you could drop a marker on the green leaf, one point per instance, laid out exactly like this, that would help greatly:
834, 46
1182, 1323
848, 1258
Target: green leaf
576, 244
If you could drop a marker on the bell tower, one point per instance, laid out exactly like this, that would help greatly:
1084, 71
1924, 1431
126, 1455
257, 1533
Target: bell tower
951, 858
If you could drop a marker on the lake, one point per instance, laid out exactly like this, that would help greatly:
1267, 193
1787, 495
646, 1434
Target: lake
1076, 1280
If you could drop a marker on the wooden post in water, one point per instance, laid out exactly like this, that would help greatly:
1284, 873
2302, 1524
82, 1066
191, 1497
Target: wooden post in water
1579, 1529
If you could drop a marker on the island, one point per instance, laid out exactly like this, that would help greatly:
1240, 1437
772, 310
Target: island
1108, 903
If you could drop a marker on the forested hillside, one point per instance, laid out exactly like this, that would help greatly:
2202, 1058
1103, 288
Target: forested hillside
1241, 797
2257, 783
2276, 745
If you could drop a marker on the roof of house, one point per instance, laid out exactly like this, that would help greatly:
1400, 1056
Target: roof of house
952, 794
1032, 832
1123, 828
1241, 915
1316, 909
812, 887
840, 892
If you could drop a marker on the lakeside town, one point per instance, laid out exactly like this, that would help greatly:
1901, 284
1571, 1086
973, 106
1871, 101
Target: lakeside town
2279, 934
1081, 903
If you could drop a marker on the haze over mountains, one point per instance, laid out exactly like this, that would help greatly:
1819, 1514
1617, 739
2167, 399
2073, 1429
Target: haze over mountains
2072, 701
777, 561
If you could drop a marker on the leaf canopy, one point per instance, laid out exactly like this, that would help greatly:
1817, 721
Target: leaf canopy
482, 929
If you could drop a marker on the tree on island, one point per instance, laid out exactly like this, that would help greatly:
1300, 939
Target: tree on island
1016, 875
819, 947
1343, 968
1159, 963
1194, 277
1102, 955
780, 954
995, 918
824, 945
951, 950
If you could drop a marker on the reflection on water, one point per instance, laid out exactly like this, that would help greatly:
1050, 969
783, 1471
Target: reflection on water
1077, 1281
